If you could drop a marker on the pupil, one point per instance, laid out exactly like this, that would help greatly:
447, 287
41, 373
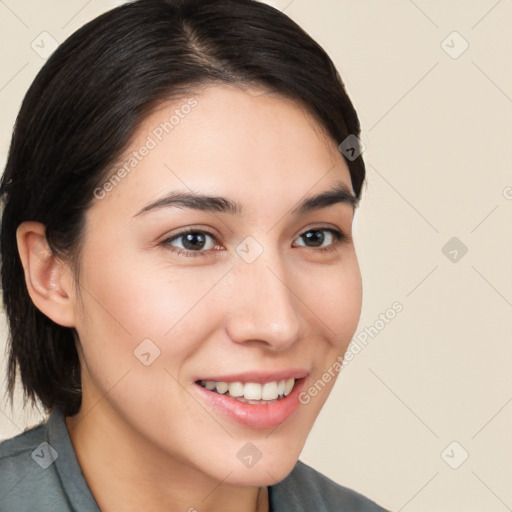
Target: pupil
317, 237
194, 244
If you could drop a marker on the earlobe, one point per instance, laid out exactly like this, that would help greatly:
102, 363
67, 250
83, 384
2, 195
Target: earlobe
47, 278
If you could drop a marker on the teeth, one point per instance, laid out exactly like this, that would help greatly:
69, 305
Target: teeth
210, 385
288, 386
252, 392
269, 391
236, 389
222, 387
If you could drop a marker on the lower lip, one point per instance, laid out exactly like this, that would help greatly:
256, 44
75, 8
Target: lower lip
257, 415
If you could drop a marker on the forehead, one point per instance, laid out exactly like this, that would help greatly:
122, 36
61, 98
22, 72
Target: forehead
250, 144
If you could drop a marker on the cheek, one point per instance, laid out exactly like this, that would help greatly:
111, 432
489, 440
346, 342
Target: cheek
127, 302
333, 294
130, 312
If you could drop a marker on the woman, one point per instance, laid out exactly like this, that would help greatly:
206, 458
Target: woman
178, 270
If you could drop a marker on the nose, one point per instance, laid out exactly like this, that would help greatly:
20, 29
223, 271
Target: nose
263, 308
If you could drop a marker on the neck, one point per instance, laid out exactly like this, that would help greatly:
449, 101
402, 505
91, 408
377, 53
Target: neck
123, 469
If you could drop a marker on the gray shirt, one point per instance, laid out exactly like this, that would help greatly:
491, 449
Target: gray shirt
39, 472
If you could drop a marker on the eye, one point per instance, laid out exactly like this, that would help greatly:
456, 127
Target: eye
316, 237
192, 243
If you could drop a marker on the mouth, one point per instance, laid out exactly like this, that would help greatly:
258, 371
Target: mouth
254, 400
253, 393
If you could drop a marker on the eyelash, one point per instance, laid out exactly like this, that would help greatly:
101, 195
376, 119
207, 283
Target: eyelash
339, 237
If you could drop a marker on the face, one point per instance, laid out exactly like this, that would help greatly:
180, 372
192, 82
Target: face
183, 300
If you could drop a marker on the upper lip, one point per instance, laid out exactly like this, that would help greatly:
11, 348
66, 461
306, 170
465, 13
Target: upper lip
259, 376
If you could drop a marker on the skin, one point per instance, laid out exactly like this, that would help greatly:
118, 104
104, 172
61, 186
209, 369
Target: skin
142, 438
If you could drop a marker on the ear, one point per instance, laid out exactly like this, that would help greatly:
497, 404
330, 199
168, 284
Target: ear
49, 281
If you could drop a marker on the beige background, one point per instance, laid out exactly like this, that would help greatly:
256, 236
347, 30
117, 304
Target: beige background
438, 150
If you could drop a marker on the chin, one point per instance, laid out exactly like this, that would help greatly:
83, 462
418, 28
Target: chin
268, 470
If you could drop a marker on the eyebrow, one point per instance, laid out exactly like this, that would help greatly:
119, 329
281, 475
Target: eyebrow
338, 193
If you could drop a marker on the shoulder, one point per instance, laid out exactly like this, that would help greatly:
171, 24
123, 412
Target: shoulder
28, 480
18, 449
311, 490
20, 459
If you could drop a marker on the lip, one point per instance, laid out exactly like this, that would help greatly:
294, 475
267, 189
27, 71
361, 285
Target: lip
258, 377
255, 416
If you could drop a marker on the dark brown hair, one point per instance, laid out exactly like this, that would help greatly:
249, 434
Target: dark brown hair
85, 104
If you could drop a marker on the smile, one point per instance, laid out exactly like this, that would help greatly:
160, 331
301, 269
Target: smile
255, 400
251, 392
